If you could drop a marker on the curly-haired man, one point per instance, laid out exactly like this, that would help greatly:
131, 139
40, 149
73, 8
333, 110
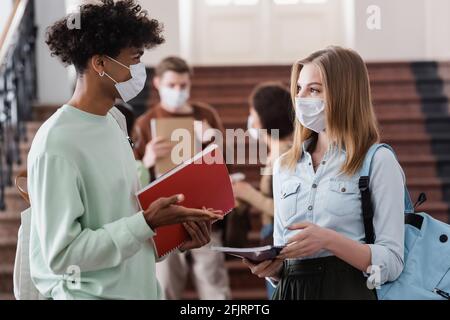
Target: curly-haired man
82, 173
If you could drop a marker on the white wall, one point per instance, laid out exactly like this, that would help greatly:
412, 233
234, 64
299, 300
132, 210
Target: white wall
437, 13
263, 32
53, 79
268, 34
167, 12
411, 30
402, 34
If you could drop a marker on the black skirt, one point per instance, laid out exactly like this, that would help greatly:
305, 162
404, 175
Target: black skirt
322, 279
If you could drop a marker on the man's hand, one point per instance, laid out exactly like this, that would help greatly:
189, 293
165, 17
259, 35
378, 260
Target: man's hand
165, 211
200, 233
156, 149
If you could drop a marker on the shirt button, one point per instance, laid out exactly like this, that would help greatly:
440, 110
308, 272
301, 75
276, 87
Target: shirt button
314, 186
324, 163
310, 208
343, 189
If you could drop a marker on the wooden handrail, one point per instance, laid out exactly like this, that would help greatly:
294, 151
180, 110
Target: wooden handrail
7, 37
22, 175
8, 22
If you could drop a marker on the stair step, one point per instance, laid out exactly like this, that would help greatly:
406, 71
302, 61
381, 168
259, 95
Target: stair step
9, 224
8, 250
6, 279
14, 202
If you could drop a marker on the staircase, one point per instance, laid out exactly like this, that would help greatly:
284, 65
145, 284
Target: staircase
411, 103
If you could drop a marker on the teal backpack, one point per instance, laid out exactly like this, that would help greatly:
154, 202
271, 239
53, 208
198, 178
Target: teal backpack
426, 273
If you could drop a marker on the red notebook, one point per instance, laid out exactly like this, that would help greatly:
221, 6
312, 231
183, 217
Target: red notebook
203, 180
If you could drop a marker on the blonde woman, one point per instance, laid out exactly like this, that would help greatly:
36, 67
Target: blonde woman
318, 215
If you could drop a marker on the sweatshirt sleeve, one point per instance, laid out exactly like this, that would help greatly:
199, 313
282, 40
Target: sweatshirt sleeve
54, 186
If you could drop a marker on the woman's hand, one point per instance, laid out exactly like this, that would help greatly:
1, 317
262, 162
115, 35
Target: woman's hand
241, 189
200, 233
309, 241
267, 269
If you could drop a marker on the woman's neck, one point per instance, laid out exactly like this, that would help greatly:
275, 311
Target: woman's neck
322, 144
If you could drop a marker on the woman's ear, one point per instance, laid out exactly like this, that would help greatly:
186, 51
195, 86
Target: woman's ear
156, 82
98, 64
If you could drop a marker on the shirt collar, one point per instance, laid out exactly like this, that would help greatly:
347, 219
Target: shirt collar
331, 150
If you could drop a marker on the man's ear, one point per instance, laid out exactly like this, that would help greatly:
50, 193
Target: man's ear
98, 64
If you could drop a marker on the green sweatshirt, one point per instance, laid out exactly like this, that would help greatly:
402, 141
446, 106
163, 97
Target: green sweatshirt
82, 181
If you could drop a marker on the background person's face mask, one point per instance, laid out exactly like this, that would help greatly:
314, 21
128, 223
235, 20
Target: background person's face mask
174, 98
131, 88
311, 113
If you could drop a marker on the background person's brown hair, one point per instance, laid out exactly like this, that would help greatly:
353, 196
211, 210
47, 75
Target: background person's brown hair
174, 64
273, 104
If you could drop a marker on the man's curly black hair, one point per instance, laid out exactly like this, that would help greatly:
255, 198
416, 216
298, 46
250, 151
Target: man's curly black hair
106, 29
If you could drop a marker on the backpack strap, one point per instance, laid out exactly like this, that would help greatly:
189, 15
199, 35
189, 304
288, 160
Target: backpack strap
122, 122
364, 183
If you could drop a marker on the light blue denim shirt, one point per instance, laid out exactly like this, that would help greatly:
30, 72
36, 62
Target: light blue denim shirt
331, 199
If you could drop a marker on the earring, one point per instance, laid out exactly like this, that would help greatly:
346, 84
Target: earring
102, 74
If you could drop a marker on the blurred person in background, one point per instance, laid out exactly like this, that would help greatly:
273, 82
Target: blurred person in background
270, 109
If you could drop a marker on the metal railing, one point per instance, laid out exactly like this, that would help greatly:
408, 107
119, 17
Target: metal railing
17, 89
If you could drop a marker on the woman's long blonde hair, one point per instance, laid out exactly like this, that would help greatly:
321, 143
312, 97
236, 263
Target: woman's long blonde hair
350, 117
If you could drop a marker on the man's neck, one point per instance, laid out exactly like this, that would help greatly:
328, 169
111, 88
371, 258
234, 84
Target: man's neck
185, 110
88, 97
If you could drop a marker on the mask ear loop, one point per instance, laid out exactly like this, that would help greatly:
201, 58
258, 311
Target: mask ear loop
103, 73
118, 62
